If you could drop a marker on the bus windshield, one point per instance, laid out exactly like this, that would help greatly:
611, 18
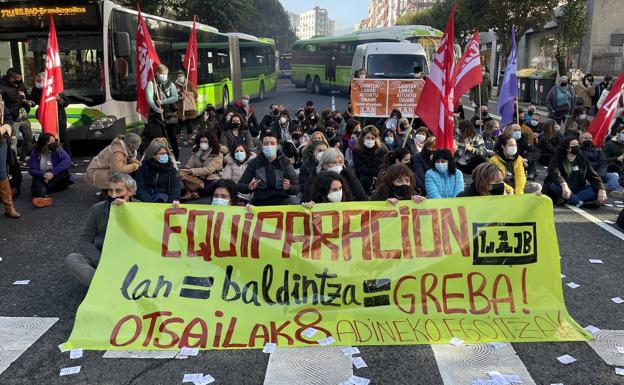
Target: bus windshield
394, 66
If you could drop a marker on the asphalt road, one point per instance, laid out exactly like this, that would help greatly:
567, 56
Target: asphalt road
33, 248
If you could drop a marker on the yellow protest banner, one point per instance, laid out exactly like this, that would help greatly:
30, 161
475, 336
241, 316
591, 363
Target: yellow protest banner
365, 273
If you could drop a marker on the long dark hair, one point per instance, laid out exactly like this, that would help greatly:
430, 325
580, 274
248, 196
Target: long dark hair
212, 142
499, 146
322, 185
43, 141
392, 156
445, 153
396, 171
466, 129
562, 150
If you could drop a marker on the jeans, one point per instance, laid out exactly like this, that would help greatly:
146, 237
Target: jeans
612, 179
586, 194
81, 267
3, 158
60, 182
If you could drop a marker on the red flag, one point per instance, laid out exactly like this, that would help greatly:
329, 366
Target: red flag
436, 104
600, 125
146, 62
190, 58
52, 85
468, 68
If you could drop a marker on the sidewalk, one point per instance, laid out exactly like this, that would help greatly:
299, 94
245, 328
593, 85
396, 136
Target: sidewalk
492, 103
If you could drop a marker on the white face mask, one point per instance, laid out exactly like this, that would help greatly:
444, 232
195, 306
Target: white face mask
512, 150
204, 146
220, 202
362, 76
336, 169
369, 143
318, 156
283, 119
583, 116
245, 102
335, 196
39, 85
420, 138
534, 122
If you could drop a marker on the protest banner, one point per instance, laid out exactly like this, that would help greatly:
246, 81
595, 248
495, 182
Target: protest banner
378, 97
363, 273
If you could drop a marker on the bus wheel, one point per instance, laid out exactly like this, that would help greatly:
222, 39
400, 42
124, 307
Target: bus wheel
262, 93
308, 83
226, 98
317, 85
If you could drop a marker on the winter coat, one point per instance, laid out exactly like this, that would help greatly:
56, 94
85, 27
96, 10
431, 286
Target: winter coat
486, 91
549, 146
206, 165
585, 92
420, 165
367, 163
612, 150
61, 162
597, 159
13, 95
517, 167
111, 160
559, 172
244, 137
307, 173
156, 178
248, 113
557, 99
270, 190
443, 185
234, 169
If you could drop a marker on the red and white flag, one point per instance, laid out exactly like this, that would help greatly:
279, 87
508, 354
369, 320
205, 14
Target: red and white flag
190, 58
146, 62
468, 68
599, 127
436, 104
52, 85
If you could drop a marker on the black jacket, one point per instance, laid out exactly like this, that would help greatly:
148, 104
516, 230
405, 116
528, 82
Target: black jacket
271, 175
12, 98
155, 178
62, 102
307, 173
597, 159
367, 163
420, 165
252, 122
557, 174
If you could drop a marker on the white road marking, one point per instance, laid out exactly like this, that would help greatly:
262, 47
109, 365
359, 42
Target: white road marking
17, 334
606, 344
311, 366
460, 365
597, 221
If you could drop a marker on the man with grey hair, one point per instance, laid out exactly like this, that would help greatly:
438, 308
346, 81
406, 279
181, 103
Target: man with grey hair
559, 100
83, 263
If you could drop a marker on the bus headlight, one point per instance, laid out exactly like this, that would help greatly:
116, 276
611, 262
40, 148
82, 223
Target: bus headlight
103, 123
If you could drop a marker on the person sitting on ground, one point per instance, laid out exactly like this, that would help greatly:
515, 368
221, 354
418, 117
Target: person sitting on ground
443, 180
534, 123
548, 141
487, 179
83, 263
400, 156
614, 151
236, 162
389, 140
524, 149
307, 151
329, 187
470, 147
119, 156
511, 164
597, 159
225, 193
157, 178
203, 168
272, 116
368, 157
209, 121
49, 167
281, 127
270, 176
236, 132
491, 131
580, 117
572, 179
307, 172
479, 122
417, 141
398, 184
165, 143
244, 108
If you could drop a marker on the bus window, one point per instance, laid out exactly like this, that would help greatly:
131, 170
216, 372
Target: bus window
394, 66
122, 75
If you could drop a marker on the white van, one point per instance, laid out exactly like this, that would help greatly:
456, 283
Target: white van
389, 60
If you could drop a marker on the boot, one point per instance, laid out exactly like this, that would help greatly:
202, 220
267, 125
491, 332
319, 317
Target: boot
7, 197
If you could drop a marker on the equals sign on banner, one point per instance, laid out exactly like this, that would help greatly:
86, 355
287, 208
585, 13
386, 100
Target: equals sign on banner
198, 282
377, 286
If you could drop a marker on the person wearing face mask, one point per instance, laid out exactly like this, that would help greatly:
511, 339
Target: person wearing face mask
470, 147
157, 178
292, 146
571, 178
487, 179
398, 184
598, 161
328, 187
511, 164
419, 73
187, 107
483, 98
333, 160
399, 156
307, 152
268, 119
236, 162
480, 121
585, 90
209, 121
17, 105
422, 162
614, 152
270, 177
529, 114
118, 157
443, 180
311, 123
491, 131
389, 139
534, 123
235, 132
244, 107
61, 103
203, 168
307, 171
526, 149
331, 131
310, 109
83, 263
417, 142
49, 167
281, 127
162, 96
225, 193
342, 124
299, 118
548, 141
368, 156
559, 100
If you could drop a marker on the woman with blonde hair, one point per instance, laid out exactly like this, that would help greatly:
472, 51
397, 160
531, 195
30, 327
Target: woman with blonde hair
118, 157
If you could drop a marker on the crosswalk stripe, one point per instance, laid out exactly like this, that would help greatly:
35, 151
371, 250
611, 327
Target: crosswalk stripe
17, 334
605, 345
460, 365
310, 366
597, 221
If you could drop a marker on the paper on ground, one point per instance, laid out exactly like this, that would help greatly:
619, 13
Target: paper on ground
207, 379
596, 261
269, 347
309, 332
350, 351
70, 370
592, 329
326, 341
141, 354
22, 282
189, 351
192, 377
75, 353
619, 371
566, 359
617, 300
572, 285
355, 380
358, 362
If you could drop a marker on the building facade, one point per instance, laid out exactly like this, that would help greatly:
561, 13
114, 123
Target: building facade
315, 22
384, 13
293, 18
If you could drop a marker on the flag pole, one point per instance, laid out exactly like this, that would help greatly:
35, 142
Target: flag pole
409, 131
480, 102
517, 111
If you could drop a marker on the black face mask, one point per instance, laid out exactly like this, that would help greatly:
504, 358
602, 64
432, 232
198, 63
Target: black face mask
310, 109
498, 189
275, 112
111, 199
575, 150
338, 119
236, 125
329, 133
402, 191
301, 117
587, 144
52, 147
564, 84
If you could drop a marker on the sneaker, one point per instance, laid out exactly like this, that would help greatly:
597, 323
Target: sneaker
579, 204
617, 194
592, 205
42, 202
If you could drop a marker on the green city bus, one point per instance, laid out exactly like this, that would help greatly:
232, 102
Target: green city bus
324, 63
97, 44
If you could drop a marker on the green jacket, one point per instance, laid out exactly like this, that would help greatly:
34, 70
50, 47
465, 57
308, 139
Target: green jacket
486, 91
612, 150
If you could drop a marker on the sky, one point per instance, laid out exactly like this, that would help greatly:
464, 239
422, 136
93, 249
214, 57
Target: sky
345, 12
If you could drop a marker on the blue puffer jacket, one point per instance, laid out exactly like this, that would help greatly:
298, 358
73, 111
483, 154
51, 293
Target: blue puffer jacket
445, 185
